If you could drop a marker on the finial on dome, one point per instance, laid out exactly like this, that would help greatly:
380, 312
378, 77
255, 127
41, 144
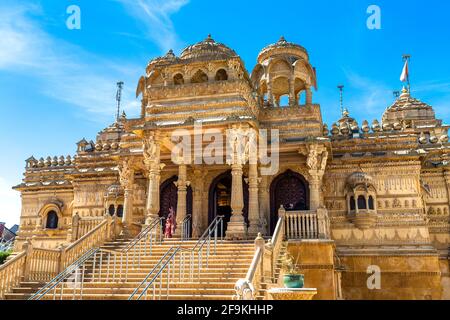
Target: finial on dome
405, 93
345, 113
282, 39
209, 38
170, 54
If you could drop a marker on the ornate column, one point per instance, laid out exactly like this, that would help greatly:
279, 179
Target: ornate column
253, 201
126, 174
316, 163
308, 95
292, 98
152, 154
269, 93
182, 185
237, 228
197, 207
264, 205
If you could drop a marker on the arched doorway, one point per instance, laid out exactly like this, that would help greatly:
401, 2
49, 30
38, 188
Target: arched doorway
290, 190
168, 198
220, 199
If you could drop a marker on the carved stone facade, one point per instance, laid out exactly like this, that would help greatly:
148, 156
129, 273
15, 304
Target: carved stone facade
382, 191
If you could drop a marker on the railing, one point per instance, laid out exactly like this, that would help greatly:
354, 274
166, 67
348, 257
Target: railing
85, 225
11, 273
302, 225
160, 277
94, 238
186, 228
43, 265
65, 275
263, 263
99, 264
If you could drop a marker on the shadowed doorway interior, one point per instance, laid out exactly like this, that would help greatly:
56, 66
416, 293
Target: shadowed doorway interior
220, 199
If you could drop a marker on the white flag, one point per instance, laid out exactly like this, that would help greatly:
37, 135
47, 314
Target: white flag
405, 72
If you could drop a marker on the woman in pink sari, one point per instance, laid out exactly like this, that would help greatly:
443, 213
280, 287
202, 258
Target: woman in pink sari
170, 226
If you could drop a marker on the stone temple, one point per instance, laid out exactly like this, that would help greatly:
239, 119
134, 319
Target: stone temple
347, 200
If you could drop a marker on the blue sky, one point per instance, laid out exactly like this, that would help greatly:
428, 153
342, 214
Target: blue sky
58, 85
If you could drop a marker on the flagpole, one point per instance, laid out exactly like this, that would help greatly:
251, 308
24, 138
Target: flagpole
407, 59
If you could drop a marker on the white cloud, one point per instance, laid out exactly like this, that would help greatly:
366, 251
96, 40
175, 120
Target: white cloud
10, 200
62, 71
155, 15
368, 97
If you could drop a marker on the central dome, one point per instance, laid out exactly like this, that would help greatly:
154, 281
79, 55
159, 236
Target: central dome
208, 48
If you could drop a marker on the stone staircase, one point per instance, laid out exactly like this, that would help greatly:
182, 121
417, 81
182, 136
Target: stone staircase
215, 282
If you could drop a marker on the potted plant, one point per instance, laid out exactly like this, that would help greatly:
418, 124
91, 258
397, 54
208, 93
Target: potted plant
292, 278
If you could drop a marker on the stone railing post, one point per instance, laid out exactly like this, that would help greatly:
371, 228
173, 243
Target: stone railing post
268, 273
260, 244
28, 248
75, 226
62, 259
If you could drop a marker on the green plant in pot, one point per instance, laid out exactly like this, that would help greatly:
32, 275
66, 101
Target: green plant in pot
292, 278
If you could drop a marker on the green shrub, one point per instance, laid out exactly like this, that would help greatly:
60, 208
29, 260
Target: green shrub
3, 256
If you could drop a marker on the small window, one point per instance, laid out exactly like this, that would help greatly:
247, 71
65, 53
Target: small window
221, 75
111, 210
52, 220
371, 203
120, 211
199, 77
362, 203
178, 79
352, 204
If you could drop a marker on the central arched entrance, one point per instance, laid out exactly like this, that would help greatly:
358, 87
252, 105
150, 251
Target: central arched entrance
220, 199
290, 190
169, 197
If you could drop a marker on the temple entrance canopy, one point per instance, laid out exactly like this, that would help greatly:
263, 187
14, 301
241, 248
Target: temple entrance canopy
220, 199
289, 190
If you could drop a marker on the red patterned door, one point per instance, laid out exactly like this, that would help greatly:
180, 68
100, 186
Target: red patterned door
291, 191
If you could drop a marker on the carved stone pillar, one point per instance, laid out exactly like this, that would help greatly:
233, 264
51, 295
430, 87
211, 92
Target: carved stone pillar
198, 188
292, 97
316, 163
264, 205
308, 95
152, 153
253, 203
182, 185
314, 191
269, 93
236, 227
127, 181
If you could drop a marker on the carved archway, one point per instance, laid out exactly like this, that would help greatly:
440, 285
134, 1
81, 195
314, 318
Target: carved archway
168, 197
290, 190
220, 199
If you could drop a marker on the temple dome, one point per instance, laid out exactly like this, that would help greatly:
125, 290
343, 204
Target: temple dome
283, 47
360, 178
407, 108
208, 48
114, 191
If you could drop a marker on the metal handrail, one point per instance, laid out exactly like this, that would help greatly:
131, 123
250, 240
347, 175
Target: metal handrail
186, 228
177, 248
166, 265
144, 233
105, 257
52, 284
